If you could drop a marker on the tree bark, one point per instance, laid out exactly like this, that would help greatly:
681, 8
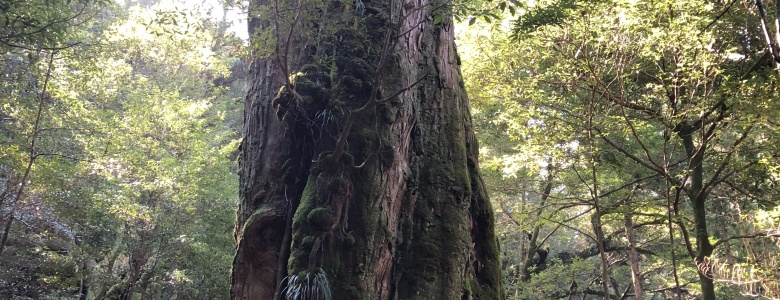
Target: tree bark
698, 196
633, 257
398, 210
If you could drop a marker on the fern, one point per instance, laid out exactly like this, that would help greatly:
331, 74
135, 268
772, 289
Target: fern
312, 286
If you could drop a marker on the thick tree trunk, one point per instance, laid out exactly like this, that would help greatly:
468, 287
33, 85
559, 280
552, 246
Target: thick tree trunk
398, 211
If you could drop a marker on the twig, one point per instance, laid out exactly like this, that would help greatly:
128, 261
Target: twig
747, 236
718, 17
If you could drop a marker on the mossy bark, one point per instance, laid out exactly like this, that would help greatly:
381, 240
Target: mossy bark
401, 212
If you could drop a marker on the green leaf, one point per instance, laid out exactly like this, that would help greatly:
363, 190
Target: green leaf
437, 19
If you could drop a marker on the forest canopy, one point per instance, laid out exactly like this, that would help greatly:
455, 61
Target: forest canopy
118, 131
631, 146
630, 149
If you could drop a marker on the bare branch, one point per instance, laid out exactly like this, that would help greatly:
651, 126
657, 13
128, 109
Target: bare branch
629, 155
746, 236
716, 179
403, 90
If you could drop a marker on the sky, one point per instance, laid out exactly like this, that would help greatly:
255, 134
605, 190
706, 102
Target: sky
214, 9
235, 14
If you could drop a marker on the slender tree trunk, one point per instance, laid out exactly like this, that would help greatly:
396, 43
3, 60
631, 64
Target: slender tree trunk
633, 257
7, 229
362, 167
671, 207
771, 38
533, 240
698, 196
42, 97
596, 217
599, 233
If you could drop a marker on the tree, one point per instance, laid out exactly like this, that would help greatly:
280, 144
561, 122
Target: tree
44, 25
680, 126
127, 140
161, 146
28, 29
358, 170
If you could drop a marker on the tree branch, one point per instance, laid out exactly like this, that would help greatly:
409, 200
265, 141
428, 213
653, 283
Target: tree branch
769, 39
746, 236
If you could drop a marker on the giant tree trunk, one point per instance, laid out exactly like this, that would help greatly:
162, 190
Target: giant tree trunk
398, 209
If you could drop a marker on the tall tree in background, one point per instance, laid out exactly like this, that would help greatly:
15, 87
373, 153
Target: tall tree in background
358, 168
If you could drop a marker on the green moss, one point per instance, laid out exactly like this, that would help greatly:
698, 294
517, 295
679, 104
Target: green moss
303, 233
387, 113
350, 84
487, 283
282, 102
351, 43
321, 218
253, 218
467, 287
375, 21
364, 141
307, 241
310, 69
338, 185
364, 229
354, 85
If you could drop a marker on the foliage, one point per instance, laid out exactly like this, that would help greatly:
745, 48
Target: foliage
313, 285
43, 24
118, 129
131, 187
609, 91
